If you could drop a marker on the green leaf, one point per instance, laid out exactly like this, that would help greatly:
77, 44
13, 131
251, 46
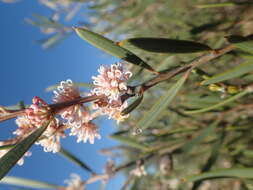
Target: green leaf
52, 40
10, 180
243, 43
203, 134
211, 160
231, 73
75, 160
9, 146
133, 105
13, 155
228, 100
223, 173
165, 45
78, 84
215, 5
111, 47
161, 104
130, 142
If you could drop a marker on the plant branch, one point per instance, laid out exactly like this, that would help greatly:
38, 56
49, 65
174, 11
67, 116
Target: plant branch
191, 65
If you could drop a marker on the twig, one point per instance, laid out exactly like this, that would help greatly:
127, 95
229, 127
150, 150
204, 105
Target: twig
191, 65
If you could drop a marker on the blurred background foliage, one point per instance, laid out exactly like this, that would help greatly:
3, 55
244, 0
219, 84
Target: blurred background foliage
177, 144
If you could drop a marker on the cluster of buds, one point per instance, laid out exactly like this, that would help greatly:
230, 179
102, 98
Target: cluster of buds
110, 86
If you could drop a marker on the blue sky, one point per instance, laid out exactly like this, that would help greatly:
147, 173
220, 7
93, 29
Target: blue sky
27, 69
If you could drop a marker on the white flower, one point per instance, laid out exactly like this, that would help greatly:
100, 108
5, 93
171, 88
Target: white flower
24, 127
87, 131
111, 82
75, 114
75, 183
51, 137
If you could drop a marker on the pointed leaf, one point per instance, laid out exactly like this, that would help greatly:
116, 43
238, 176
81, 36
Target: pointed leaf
75, 160
160, 105
215, 5
9, 146
203, 134
130, 142
133, 105
52, 40
231, 73
11, 180
243, 43
165, 45
223, 173
228, 100
111, 47
211, 160
12, 157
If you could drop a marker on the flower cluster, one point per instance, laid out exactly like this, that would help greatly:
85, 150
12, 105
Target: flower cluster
110, 87
111, 82
38, 112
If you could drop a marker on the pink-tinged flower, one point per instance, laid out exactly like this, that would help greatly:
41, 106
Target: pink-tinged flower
51, 137
87, 131
75, 114
115, 112
25, 127
74, 183
111, 82
113, 109
4, 151
38, 112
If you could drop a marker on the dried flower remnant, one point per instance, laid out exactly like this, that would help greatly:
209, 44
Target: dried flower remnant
87, 131
111, 82
75, 114
4, 151
75, 183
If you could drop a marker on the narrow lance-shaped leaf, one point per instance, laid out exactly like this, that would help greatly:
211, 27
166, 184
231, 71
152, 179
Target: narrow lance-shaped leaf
243, 43
203, 134
228, 100
231, 73
164, 45
215, 5
211, 160
133, 105
161, 104
53, 40
111, 47
78, 84
12, 157
75, 160
18, 181
130, 142
223, 173
9, 146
